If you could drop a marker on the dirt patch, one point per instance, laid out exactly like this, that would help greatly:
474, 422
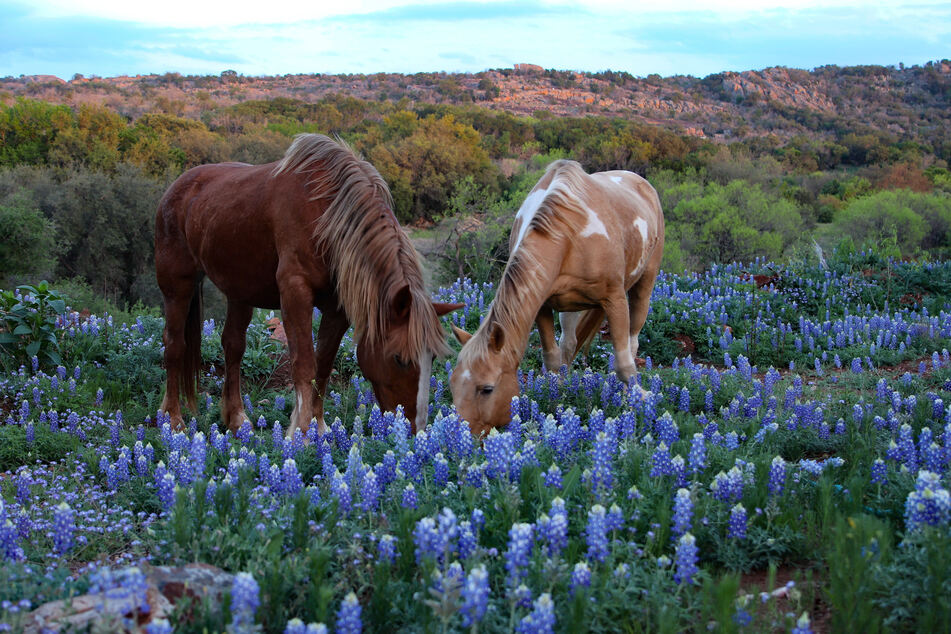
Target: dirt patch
781, 602
281, 376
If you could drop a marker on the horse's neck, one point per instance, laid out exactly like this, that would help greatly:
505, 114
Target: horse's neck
524, 302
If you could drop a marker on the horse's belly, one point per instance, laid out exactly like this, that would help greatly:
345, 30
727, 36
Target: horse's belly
571, 300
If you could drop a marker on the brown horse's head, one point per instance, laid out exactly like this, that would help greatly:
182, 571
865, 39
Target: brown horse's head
397, 378
484, 379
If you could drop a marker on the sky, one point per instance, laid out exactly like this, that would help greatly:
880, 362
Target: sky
107, 38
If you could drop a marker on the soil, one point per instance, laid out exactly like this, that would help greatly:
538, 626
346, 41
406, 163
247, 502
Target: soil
756, 581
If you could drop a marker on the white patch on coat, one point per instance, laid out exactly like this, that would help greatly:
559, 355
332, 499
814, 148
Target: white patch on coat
422, 393
641, 225
594, 225
526, 213
616, 179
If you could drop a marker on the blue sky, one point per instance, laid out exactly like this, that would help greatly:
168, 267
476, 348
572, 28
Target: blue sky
275, 37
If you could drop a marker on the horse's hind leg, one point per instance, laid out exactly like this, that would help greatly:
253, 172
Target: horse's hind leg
568, 344
234, 341
546, 331
639, 298
181, 293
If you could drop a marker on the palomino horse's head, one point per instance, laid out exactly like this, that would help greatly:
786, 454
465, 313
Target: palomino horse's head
397, 378
484, 380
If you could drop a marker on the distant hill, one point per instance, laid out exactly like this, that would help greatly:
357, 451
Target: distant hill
907, 103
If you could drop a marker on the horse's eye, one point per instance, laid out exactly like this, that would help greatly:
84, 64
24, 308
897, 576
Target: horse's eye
485, 390
400, 361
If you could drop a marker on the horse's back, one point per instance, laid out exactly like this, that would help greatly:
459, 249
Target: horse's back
233, 222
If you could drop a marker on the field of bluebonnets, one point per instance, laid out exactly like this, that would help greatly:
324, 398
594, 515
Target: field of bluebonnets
789, 474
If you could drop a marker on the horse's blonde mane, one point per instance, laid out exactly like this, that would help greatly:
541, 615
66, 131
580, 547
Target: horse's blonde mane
561, 215
369, 253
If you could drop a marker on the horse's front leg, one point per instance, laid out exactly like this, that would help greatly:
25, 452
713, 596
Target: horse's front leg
545, 319
234, 339
297, 306
333, 325
619, 319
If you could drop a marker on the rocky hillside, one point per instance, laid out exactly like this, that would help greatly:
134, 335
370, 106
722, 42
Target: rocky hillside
908, 103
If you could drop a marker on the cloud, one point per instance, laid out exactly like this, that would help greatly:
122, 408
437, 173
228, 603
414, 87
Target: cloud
459, 11
471, 36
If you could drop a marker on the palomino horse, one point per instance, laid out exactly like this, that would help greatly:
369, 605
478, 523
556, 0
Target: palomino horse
580, 242
313, 229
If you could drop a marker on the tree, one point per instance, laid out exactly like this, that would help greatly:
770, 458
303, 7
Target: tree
27, 240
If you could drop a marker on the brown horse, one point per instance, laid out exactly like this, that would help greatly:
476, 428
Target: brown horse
315, 229
580, 242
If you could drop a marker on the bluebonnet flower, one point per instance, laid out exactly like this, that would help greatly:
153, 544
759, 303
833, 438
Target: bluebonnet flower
580, 577
777, 476
518, 552
685, 559
9, 540
602, 474
410, 499
341, 492
348, 616
245, 432
553, 477
553, 528
666, 429
24, 481
475, 596
728, 486
660, 461
596, 534
683, 513
907, 452
879, 472
369, 492
386, 548
468, 541
63, 528
522, 596
736, 527
440, 471
929, 504
697, 458
499, 449
614, 520
684, 403
244, 602
427, 540
542, 618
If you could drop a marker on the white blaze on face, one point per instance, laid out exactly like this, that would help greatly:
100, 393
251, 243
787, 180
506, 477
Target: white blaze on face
422, 392
527, 212
594, 225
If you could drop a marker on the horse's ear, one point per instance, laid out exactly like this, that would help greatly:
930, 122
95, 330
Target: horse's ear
401, 303
496, 337
442, 308
461, 334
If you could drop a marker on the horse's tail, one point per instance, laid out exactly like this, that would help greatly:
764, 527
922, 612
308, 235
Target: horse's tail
587, 328
191, 365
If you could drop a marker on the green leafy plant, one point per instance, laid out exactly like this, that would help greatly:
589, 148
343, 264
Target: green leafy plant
28, 324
